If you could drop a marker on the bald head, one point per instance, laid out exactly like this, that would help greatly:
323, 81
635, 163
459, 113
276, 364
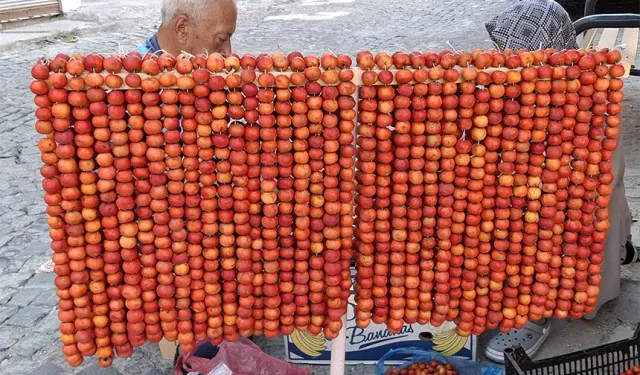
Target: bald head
197, 26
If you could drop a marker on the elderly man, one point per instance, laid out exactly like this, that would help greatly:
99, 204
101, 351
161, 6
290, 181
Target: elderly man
194, 26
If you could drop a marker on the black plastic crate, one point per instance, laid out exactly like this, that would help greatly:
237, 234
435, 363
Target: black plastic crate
609, 359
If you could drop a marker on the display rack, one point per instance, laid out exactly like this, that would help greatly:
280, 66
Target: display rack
338, 352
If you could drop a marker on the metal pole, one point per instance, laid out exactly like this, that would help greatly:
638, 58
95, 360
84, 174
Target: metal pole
590, 7
338, 350
339, 345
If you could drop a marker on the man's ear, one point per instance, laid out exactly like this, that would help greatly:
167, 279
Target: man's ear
181, 28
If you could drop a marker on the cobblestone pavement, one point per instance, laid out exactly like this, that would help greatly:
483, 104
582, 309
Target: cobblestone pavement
28, 322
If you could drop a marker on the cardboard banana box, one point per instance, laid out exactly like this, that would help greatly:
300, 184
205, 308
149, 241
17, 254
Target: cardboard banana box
368, 345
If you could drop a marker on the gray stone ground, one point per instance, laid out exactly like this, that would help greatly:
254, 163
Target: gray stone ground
28, 322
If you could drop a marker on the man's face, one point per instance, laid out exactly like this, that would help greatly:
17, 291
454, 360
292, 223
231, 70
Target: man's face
213, 31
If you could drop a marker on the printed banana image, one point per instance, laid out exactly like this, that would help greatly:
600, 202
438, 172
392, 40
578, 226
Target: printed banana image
310, 345
448, 342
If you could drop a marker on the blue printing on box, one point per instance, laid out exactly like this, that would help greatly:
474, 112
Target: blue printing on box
371, 355
368, 345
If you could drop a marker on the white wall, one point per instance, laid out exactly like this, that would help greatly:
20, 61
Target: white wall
69, 5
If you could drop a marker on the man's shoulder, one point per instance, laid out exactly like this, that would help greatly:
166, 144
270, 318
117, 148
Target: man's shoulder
150, 45
142, 49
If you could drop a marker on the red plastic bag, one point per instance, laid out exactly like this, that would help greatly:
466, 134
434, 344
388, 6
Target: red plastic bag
241, 357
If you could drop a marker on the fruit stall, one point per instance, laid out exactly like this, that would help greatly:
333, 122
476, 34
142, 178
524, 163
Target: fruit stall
196, 198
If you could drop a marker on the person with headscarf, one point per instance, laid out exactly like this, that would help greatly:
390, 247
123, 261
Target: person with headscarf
543, 24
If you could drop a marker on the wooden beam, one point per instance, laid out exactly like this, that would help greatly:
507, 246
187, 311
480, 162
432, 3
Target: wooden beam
608, 39
630, 40
587, 40
356, 80
168, 349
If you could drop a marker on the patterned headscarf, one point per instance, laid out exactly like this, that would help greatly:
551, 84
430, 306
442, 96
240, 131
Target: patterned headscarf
533, 25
